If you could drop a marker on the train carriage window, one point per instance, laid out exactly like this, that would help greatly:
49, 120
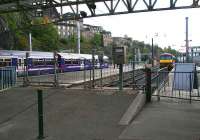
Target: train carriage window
68, 61
38, 62
49, 61
8, 62
75, 61
2, 64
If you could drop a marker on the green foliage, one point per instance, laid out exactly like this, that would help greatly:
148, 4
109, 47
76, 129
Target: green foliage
63, 40
46, 37
96, 41
170, 50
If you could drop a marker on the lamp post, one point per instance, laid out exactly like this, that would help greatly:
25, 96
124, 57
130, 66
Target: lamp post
152, 53
186, 40
152, 47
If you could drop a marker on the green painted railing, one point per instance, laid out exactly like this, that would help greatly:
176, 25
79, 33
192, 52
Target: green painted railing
8, 77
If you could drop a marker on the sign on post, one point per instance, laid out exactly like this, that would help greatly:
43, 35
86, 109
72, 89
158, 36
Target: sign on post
119, 55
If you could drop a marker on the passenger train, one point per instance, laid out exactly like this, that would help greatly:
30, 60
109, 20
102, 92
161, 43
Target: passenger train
43, 62
167, 60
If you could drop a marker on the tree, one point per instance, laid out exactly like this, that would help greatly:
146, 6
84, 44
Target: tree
97, 41
46, 36
170, 50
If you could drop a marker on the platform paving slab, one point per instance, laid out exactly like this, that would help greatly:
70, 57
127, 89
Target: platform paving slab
165, 121
69, 114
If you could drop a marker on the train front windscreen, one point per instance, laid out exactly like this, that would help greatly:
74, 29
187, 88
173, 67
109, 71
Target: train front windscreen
165, 57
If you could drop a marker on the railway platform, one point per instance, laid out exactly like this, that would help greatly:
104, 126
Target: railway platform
172, 114
165, 120
96, 114
69, 114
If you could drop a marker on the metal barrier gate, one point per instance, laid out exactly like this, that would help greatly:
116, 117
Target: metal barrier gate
170, 84
8, 77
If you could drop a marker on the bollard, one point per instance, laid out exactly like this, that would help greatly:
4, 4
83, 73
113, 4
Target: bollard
40, 114
148, 84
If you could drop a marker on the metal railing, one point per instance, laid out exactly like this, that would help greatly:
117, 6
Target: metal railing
8, 77
175, 85
57, 77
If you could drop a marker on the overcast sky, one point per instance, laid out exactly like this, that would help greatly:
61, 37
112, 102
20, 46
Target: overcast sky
169, 25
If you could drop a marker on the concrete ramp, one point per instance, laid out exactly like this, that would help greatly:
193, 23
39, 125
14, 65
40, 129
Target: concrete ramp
133, 109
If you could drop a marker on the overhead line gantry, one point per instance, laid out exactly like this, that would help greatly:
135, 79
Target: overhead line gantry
91, 8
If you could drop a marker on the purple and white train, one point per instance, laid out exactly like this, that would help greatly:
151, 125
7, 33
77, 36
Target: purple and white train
43, 62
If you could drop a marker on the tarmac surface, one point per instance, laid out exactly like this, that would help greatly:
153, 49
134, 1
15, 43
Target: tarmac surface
68, 114
75, 114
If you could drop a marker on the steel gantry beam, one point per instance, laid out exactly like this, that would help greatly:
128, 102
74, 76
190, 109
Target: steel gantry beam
92, 8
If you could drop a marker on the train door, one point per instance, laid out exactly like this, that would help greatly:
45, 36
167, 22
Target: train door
81, 64
97, 64
14, 62
20, 67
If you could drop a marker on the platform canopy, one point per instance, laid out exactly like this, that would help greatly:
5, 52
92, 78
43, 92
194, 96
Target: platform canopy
94, 8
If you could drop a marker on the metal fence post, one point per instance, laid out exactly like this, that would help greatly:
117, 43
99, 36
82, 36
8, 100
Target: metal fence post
148, 85
15, 76
93, 68
40, 114
158, 86
90, 77
120, 76
25, 78
1, 78
191, 88
101, 76
133, 66
55, 70
84, 74
27, 81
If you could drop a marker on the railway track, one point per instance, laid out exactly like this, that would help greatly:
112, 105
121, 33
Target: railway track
136, 82
139, 78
